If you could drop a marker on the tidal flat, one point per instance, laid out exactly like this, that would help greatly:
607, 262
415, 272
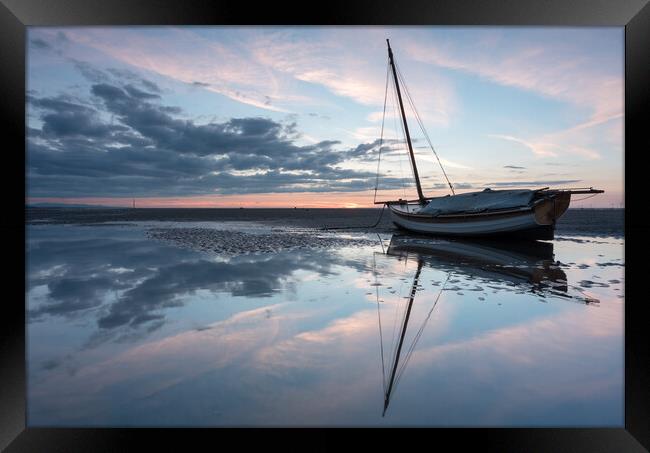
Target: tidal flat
264, 318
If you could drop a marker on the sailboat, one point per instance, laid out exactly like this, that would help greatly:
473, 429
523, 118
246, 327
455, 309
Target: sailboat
517, 212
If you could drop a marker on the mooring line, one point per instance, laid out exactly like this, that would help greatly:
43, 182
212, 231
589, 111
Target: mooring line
357, 226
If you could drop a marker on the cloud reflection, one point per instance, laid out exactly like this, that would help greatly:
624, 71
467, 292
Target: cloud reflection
316, 361
132, 280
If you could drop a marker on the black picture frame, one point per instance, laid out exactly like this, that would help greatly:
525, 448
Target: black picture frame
16, 15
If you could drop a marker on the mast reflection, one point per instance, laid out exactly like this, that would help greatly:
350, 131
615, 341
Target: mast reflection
528, 266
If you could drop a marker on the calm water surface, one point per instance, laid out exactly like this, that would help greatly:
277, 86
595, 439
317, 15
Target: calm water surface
126, 329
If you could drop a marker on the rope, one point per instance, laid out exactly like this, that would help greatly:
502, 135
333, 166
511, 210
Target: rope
400, 156
401, 124
381, 142
393, 346
418, 335
417, 116
396, 317
382, 244
381, 137
381, 338
586, 198
357, 226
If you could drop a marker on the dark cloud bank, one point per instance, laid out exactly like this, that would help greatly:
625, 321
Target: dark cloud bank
118, 139
121, 140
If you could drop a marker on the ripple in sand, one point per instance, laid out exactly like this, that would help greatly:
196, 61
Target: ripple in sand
609, 264
591, 284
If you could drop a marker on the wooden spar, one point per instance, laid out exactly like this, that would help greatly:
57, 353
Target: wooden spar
545, 189
400, 201
406, 127
577, 191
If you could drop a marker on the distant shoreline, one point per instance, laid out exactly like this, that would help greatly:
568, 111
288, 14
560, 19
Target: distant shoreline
579, 221
244, 207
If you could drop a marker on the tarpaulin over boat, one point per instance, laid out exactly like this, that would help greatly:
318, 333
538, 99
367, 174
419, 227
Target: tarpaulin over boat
478, 201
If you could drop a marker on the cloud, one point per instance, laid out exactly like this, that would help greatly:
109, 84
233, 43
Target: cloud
556, 70
514, 167
136, 93
55, 43
39, 44
89, 72
188, 58
551, 65
532, 183
539, 149
151, 86
65, 117
262, 68
458, 185
268, 67
123, 141
536, 183
551, 145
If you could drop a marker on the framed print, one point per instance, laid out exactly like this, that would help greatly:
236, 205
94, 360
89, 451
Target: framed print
361, 216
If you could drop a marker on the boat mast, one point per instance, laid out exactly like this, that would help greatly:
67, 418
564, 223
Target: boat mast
406, 127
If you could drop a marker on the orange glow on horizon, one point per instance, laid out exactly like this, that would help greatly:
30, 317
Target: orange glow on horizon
348, 200
267, 200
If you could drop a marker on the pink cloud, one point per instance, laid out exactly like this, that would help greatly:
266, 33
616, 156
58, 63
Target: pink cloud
542, 70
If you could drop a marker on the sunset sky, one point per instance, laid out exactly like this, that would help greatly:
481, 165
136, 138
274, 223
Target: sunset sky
291, 116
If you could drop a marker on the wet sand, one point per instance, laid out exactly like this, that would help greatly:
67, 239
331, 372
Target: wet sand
229, 242
577, 222
174, 317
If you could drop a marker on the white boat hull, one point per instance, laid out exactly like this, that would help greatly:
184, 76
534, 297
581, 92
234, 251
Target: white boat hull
479, 227
537, 222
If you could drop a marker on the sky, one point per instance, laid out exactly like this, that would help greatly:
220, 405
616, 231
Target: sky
292, 116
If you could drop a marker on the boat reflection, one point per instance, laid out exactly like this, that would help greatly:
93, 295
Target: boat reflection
515, 262
527, 266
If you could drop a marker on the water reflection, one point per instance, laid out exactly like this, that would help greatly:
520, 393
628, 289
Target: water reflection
520, 263
470, 333
127, 282
526, 265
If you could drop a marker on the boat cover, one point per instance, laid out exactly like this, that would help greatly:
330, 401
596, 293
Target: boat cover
474, 202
